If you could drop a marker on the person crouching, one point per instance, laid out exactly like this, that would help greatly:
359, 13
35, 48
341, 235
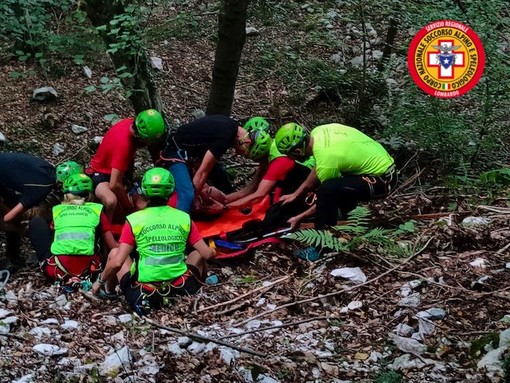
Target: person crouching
73, 255
156, 238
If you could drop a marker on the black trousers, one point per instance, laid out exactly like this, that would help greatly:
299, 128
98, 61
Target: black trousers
346, 192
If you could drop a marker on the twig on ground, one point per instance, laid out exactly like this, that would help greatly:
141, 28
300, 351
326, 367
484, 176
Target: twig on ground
204, 338
350, 288
244, 295
279, 326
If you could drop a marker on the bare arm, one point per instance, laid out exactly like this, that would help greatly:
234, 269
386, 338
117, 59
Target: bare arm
14, 212
294, 221
309, 184
200, 177
116, 259
205, 251
251, 187
117, 187
265, 187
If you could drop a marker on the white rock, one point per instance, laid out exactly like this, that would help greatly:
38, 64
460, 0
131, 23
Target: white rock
478, 262
10, 320
504, 338
491, 360
251, 31
157, 63
425, 326
5, 328
354, 305
176, 349
408, 345
119, 337
77, 129
354, 274
70, 325
412, 300
46, 93
97, 139
432, 314
377, 55
260, 302
12, 299
49, 349
475, 221
196, 348
2, 137
113, 362
336, 58
86, 368
24, 379
125, 318
61, 300
39, 332
4, 313
87, 72
267, 379
228, 355
197, 113
403, 329
184, 341
58, 149
253, 324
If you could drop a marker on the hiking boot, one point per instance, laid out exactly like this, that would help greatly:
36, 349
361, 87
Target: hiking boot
103, 294
309, 254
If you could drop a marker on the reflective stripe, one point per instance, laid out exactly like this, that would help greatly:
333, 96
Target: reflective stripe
155, 261
63, 236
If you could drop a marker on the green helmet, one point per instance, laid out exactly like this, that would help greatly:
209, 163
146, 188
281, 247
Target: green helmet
79, 184
257, 123
289, 137
261, 144
149, 125
158, 182
65, 169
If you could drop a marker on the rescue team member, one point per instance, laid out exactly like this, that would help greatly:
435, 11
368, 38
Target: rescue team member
26, 182
350, 167
277, 174
114, 159
202, 142
156, 238
73, 255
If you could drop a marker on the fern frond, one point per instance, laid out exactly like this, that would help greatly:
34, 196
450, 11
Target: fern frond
317, 238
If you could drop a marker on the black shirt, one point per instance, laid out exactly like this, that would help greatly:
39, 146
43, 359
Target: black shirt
214, 133
30, 176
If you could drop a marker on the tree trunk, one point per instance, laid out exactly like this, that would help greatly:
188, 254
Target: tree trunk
141, 88
231, 39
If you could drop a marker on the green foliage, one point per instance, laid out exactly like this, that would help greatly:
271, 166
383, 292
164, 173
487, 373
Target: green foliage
478, 345
388, 377
45, 31
356, 232
505, 365
496, 176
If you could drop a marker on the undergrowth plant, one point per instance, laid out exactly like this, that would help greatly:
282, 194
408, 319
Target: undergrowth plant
356, 232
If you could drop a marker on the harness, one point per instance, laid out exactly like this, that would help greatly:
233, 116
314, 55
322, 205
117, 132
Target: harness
163, 288
388, 178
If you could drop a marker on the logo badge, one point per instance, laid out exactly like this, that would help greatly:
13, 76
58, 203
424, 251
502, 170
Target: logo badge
446, 59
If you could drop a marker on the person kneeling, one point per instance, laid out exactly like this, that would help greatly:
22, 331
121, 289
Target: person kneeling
156, 238
73, 255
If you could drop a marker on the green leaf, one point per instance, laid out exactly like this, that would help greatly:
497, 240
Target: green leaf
90, 89
104, 80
